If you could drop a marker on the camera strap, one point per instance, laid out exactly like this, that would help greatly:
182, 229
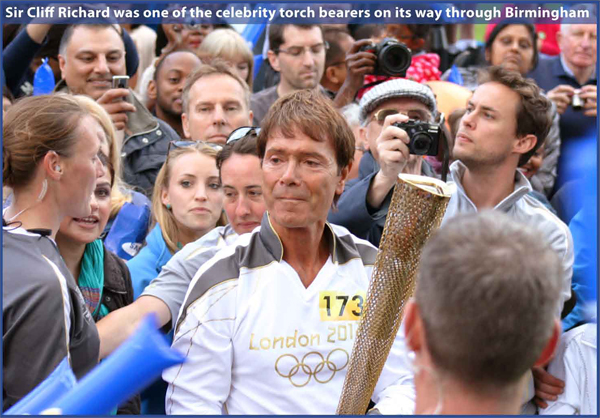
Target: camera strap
446, 156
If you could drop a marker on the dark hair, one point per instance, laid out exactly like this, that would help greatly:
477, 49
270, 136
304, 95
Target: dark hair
68, 34
276, 34
359, 32
533, 112
500, 27
311, 113
335, 53
244, 146
162, 59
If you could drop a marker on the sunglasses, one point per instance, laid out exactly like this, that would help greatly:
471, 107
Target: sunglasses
185, 144
380, 115
242, 132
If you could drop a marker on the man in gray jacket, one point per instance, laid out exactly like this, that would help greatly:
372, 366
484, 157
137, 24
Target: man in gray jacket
507, 120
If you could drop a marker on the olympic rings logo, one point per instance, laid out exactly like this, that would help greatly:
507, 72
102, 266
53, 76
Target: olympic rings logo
313, 365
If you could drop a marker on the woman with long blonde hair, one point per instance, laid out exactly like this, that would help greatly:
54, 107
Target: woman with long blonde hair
187, 202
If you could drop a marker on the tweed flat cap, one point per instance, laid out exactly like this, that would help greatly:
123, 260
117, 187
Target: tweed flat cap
393, 89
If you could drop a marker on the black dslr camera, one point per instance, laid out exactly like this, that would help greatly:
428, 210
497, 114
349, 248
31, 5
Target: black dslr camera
393, 57
424, 137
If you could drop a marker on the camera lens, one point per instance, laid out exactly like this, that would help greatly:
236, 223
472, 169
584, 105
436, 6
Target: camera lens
421, 144
394, 59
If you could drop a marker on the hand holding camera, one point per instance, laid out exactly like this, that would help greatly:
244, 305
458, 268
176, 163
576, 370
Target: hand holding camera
588, 94
389, 58
113, 101
393, 153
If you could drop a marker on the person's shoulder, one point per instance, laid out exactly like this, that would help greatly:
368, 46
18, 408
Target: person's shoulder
351, 247
35, 266
155, 245
212, 242
544, 66
166, 130
262, 94
538, 215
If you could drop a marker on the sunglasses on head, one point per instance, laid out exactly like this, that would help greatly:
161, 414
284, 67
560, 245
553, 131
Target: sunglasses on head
242, 132
185, 144
380, 115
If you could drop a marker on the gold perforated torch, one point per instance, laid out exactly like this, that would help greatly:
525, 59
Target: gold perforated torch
416, 210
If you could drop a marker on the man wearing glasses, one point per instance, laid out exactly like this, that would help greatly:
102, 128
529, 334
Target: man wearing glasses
297, 52
364, 204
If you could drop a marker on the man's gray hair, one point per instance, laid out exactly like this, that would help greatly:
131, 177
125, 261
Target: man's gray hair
352, 114
487, 292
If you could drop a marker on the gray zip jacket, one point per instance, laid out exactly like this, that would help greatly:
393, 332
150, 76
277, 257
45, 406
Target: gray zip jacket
526, 209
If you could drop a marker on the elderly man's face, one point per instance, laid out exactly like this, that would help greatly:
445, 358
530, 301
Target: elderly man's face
216, 107
91, 58
578, 45
414, 109
301, 178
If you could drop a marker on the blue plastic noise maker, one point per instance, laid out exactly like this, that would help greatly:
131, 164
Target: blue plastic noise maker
43, 79
131, 368
59, 382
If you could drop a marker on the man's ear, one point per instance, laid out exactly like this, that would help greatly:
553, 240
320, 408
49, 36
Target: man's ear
343, 177
250, 118
331, 74
152, 90
273, 60
185, 125
548, 351
559, 38
525, 144
61, 65
413, 326
362, 133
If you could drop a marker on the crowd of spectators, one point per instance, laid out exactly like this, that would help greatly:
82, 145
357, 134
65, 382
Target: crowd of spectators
236, 209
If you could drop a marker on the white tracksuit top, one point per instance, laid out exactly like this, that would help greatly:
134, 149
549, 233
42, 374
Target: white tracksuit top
257, 341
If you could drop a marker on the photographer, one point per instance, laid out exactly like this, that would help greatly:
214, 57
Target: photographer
364, 204
89, 57
399, 53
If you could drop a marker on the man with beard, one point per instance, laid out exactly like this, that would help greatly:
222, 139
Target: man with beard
167, 86
297, 52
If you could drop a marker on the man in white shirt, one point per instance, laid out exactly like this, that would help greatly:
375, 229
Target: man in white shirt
268, 324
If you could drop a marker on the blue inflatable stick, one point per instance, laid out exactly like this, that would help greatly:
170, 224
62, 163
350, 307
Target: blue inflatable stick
59, 382
43, 79
131, 368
